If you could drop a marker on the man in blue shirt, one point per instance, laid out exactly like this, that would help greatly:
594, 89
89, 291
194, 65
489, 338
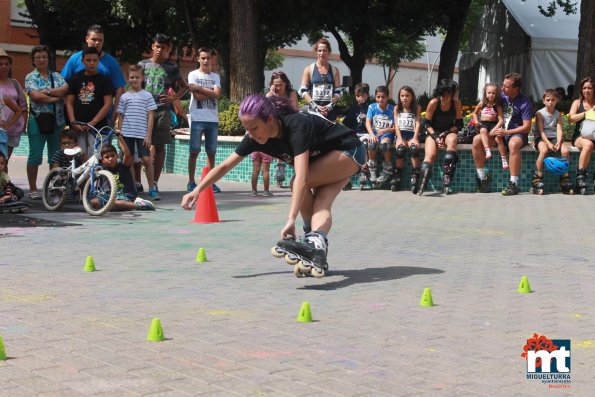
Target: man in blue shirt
108, 65
518, 112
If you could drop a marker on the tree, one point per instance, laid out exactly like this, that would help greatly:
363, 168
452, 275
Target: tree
456, 15
244, 55
585, 61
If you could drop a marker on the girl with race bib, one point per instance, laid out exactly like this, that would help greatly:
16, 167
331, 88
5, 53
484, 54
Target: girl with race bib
407, 129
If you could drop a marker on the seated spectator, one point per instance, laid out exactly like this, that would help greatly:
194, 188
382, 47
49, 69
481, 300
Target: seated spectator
9, 193
61, 159
126, 198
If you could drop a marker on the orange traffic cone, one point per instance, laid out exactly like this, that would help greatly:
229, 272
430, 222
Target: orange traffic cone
206, 208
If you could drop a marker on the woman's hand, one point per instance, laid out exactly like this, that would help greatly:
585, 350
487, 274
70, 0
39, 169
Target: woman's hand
288, 230
189, 199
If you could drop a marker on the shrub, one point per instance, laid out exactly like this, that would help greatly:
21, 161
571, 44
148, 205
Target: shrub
229, 123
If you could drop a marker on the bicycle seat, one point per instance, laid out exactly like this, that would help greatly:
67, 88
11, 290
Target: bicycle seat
73, 151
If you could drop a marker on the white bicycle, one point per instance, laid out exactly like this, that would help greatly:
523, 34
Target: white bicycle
100, 187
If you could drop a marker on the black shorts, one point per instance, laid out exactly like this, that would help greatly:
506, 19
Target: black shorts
488, 125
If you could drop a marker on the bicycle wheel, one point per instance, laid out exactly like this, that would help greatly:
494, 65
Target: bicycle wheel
100, 199
53, 192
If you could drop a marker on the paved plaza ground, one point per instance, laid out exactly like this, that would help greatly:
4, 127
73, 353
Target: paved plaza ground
230, 323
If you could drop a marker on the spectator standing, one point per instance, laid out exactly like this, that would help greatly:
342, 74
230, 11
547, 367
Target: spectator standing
108, 66
89, 100
205, 86
160, 75
10, 88
46, 90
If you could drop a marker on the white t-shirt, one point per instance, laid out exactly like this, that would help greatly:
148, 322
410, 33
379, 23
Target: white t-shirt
204, 110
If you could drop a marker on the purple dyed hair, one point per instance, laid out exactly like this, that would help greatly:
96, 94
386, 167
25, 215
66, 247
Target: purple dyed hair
258, 106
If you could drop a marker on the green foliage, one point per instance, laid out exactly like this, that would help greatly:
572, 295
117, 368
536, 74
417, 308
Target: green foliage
229, 123
567, 6
274, 59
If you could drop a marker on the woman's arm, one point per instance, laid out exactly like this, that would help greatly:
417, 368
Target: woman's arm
300, 166
305, 83
573, 116
16, 110
213, 176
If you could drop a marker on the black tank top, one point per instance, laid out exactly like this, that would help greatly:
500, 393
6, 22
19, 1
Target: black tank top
443, 120
577, 126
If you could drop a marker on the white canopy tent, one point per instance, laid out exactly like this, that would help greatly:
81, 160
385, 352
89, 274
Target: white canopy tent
513, 36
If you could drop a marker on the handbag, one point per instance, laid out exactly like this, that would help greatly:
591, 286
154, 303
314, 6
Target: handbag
588, 125
46, 122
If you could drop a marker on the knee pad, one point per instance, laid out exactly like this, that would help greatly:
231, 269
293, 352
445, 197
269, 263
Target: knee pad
373, 146
385, 147
414, 151
401, 151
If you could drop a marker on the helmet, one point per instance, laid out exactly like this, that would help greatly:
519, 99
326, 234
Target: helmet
557, 165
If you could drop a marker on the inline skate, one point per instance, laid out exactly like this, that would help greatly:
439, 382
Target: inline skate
280, 174
306, 255
581, 181
415, 179
448, 170
425, 173
537, 185
385, 176
364, 177
565, 184
395, 183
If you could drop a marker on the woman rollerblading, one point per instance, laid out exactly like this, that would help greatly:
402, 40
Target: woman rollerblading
323, 166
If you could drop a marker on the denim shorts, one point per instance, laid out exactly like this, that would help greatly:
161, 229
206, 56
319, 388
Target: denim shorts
210, 131
359, 154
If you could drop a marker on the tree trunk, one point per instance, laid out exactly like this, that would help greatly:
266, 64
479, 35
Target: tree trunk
355, 62
450, 47
585, 59
245, 65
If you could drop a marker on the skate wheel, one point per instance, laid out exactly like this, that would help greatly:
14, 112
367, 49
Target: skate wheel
540, 192
316, 273
393, 188
277, 253
298, 272
304, 267
582, 191
291, 259
446, 189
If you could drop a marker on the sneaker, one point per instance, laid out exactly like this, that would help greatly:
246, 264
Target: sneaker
510, 190
154, 195
267, 193
139, 187
216, 189
483, 185
144, 205
190, 186
253, 193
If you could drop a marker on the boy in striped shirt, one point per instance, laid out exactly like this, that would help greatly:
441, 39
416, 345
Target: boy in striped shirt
135, 120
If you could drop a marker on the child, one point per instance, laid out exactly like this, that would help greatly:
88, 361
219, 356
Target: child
548, 141
408, 125
89, 100
356, 114
381, 134
135, 119
6, 124
205, 86
161, 74
356, 120
126, 198
489, 115
9, 193
60, 159
261, 161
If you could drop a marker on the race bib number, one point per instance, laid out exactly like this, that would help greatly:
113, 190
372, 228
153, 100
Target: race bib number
322, 92
406, 122
381, 122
